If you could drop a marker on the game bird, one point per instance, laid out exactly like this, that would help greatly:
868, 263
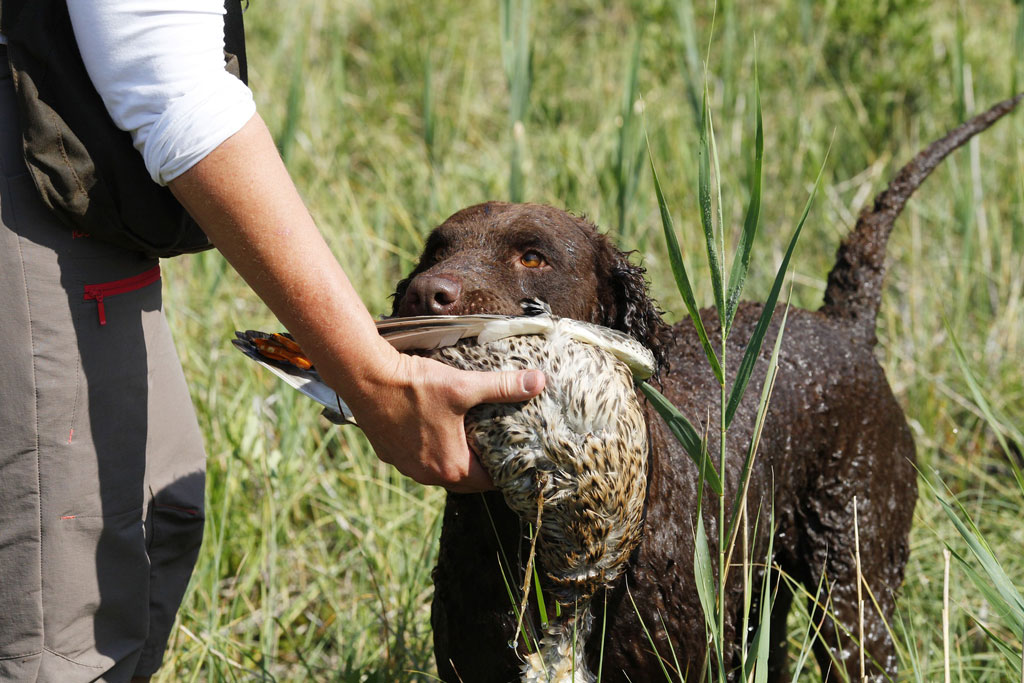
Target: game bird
571, 462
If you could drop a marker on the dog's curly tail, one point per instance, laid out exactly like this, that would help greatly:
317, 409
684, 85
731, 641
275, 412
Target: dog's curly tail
854, 289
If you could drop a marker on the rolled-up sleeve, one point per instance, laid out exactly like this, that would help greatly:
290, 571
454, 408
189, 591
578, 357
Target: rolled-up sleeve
159, 67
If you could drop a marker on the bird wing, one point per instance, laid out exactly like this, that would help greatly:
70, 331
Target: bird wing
436, 331
307, 381
282, 357
637, 357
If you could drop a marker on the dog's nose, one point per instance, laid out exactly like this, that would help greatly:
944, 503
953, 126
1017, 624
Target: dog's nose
431, 295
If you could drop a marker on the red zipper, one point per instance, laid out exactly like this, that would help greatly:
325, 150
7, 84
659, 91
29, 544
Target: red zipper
129, 284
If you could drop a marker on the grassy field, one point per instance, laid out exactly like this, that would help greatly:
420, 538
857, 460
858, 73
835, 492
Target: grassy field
394, 114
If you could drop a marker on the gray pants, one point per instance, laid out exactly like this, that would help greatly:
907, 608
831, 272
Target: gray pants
101, 461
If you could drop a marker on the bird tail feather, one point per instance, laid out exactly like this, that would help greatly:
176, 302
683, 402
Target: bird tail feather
560, 657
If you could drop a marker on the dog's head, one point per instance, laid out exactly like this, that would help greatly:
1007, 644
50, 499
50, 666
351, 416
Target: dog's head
489, 257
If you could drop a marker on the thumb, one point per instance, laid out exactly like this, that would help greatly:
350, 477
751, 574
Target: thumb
502, 387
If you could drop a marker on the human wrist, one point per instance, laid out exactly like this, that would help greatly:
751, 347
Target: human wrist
363, 369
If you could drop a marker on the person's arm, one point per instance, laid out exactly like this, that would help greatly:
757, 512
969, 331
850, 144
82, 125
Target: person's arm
411, 408
159, 67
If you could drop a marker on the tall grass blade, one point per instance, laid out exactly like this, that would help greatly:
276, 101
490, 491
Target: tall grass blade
604, 632
675, 258
1010, 604
806, 645
505, 21
762, 414
522, 78
704, 150
629, 152
997, 426
716, 175
650, 638
541, 606
531, 640
959, 65
913, 662
1018, 52
741, 262
531, 644
685, 433
1006, 599
517, 57
428, 111
515, 174
691, 57
705, 580
293, 106
762, 639
1013, 656
753, 349
671, 647
985, 587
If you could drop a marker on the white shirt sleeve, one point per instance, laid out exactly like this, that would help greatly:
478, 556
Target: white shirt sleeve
159, 67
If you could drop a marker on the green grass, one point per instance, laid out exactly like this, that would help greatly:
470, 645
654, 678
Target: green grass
394, 114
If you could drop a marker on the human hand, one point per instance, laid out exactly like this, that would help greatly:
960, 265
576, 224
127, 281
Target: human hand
414, 416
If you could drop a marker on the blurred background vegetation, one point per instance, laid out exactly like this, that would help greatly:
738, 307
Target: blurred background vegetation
393, 114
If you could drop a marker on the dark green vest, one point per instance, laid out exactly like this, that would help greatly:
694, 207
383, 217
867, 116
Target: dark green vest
86, 169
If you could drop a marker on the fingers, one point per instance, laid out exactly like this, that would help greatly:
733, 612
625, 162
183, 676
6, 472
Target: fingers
459, 471
466, 390
415, 418
475, 481
499, 387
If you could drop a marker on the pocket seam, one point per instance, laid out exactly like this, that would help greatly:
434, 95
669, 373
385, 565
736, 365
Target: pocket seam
7, 658
73, 661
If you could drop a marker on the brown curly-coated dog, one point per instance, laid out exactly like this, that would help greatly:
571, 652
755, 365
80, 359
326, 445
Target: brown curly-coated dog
834, 435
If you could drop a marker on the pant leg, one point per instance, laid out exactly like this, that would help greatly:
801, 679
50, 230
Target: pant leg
101, 463
175, 489
21, 618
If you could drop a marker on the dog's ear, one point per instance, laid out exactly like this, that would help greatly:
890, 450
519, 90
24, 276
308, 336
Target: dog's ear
396, 298
628, 305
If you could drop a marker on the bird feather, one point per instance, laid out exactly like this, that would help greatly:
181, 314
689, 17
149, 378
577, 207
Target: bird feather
423, 333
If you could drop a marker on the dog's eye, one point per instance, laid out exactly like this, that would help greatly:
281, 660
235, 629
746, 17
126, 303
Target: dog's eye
532, 259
